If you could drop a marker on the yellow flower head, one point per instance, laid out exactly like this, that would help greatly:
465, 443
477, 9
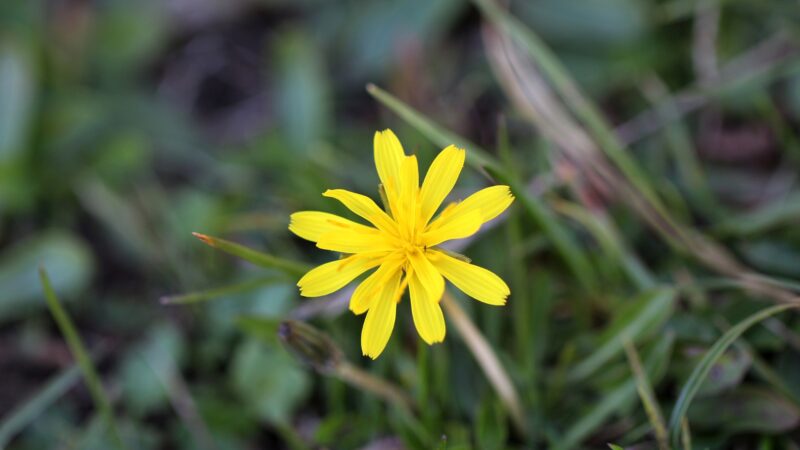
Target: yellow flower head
401, 243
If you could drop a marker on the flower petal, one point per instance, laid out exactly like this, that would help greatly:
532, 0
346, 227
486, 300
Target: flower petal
379, 323
406, 212
332, 276
311, 225
430, 278
364, 207
369, 289
440, 179
357, 241
427, 314
477, 282
489, 202
389, 156
457, 227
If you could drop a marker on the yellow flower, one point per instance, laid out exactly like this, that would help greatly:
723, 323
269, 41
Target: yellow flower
401, 243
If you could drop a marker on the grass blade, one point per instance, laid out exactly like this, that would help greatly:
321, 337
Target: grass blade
289, 267
566, 87
652, 307
648, 398
81, 356
488, 361
655, 365
477, 157
704, 366
27, 412
212, 294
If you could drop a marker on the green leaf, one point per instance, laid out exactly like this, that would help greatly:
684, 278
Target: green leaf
702, 369
18, 91
254, 256
303, 97
655, 365
21, 416
726, 372
268, 381
63, 255
148, 368
745, 409
491, 427
224, 291
78, 350
643, 315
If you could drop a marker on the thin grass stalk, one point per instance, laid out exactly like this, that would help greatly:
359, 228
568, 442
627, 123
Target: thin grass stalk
679, 141
78, 350
289, 267
488, 361
532, 96
212, 294
647, 396
584, 110
686, 434
701, 370
379, 387
15, 420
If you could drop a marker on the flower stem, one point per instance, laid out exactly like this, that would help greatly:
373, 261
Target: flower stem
363, 380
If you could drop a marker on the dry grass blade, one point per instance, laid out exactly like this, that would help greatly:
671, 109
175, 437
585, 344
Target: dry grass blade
647, 396
531, 94
488, 360
701, 370
768, 56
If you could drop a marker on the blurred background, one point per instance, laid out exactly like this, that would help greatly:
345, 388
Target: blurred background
125, 126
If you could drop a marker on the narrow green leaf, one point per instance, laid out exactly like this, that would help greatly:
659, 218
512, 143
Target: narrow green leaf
212, 294
477, 157
702, 369
80, 354
254, 256
784, 212
21, 416
648, 397
645, 313
747, 408
612, 401
580, 105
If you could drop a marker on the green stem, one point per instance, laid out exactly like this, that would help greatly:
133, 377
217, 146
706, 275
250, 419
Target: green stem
78, 350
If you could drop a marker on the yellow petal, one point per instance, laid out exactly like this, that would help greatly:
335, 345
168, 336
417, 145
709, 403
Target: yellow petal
380, 319
332, 276
311, 225
456, 227
427, 274
388, 159
356, 241
364, 207
474, 281
440, 179
427, 314
489, 202
409, 193
369, 289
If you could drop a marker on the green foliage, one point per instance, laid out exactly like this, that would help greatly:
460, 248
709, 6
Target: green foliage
652, 147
